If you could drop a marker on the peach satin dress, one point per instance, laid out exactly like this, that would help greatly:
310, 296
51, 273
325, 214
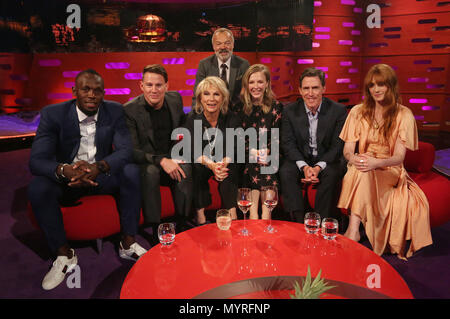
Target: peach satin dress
392, 208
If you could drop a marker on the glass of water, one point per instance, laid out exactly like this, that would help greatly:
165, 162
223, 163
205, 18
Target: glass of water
312, 222
329, 228
166, 233
223, 219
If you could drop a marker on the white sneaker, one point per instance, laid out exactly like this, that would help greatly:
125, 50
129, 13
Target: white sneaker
133, 253
61, 266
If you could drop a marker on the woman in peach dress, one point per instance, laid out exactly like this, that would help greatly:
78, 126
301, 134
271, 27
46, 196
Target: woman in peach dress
376, 187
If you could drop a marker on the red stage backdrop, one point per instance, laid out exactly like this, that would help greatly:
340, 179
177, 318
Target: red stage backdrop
414, 38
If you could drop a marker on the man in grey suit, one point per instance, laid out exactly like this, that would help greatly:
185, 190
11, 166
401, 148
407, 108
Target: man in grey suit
223, 64
151, 117
313, 150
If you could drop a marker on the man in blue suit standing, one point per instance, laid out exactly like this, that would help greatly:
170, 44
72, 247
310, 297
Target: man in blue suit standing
83, 147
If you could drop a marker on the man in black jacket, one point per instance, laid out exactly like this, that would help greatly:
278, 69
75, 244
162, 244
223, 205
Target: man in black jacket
224, 64
310, 140
151, 117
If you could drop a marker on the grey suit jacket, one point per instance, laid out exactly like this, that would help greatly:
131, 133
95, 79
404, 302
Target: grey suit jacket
295, 132
141, 128
209, 67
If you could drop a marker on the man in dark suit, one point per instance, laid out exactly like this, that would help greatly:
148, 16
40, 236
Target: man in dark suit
151, 118
72, 155
223, 64
310, 141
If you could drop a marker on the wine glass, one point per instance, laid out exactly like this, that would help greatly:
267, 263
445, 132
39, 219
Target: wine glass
223, 219
166, 233
329, 228
270, 200
312, 222
244, 201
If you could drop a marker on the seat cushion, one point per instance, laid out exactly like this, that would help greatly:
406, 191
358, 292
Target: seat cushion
436, 189
421, 160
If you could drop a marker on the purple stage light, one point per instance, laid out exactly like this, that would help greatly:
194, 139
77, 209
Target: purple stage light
266, 60
357, 10
321, 36
378, 45
418, 101
430, 108
305, 61
353, 70
435, 86
70, 74
348, 24
438, 69
345, 42
354, 49
191, 71
322, 29
317, 3
186, 92
133, 76
419, 117
422, 61
173, 61
418, 80
190, 82
353, 86
323, 68
117, 91
372, 60
356, 32
344, 80
348, 2
117, 65
59, 96
345, 63
50, 62
421, 40
315, 45
69, 85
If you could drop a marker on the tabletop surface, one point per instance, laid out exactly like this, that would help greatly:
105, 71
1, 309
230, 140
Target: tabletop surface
205, 262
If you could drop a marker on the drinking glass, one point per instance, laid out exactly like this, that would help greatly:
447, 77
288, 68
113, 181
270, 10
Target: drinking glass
312, 222
166, 233
329, 228
244, 201
223, 219
270, 200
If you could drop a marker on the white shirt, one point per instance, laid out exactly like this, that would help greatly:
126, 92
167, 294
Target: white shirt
88, 127
228, 63
313, 121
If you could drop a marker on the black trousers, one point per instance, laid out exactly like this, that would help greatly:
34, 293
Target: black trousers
227, 188
152, 178
326, 195
46, 195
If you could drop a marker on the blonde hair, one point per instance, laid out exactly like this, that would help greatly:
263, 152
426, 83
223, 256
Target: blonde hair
382, 74
245, 95
215, 82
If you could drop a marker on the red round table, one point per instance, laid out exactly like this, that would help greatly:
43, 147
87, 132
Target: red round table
205, 262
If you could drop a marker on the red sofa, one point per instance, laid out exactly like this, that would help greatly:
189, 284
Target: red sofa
97, 217
418, 164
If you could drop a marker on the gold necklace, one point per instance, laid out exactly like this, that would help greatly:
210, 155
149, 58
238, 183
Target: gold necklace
375, 125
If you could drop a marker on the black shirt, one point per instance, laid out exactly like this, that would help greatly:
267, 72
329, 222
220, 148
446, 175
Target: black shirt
162, 128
